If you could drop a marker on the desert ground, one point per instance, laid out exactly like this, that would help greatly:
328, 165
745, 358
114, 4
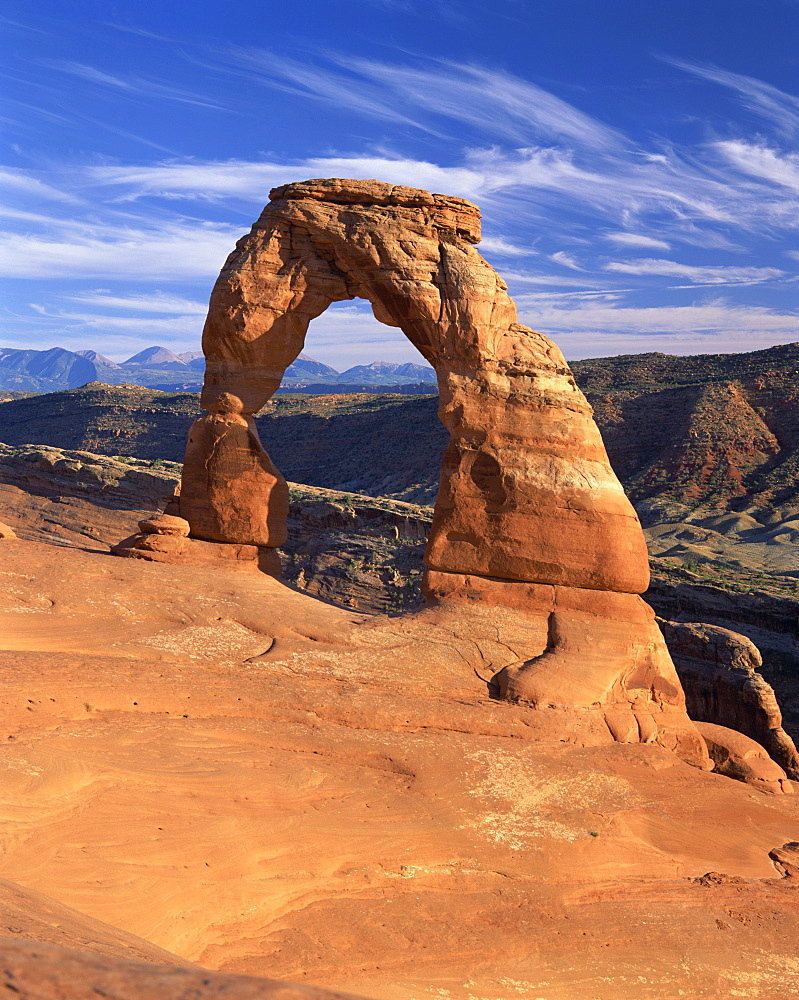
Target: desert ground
209, 766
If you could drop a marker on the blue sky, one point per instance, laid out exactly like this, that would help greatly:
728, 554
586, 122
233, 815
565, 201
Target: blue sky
635, 160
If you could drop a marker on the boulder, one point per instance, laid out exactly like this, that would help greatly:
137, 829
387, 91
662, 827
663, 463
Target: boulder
6, 532
180, 550
165, 524
718, 669
736, 756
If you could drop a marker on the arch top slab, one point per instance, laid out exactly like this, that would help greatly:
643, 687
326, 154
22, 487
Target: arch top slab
444, 212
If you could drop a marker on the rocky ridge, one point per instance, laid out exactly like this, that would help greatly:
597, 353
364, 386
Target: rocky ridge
681, 450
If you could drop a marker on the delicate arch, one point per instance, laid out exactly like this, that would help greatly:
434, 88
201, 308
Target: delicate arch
526, 492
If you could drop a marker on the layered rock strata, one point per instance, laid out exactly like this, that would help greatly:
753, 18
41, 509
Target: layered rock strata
528, 505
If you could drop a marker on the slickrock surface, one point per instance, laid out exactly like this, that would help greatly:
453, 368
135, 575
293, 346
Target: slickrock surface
28, 916
361, 552
719, 674
266, 784
47, 972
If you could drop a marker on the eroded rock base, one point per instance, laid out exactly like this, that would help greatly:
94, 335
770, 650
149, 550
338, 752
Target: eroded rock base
601, 651
164, 538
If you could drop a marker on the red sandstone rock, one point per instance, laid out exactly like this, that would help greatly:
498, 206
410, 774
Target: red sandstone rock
6, 532
718, 669
589, 635
49, 972
165, 524
525, 460
231, 491
268, 784
739, 757
193, 552
786, 858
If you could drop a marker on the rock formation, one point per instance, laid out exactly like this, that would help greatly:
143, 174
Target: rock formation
164, 538
719, 674
529, 511
525, 459
49, 972
272, 785
6, 532
768, 619
739, 757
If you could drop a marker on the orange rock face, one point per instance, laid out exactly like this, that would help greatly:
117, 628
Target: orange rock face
528, 503
742, 758
231, 491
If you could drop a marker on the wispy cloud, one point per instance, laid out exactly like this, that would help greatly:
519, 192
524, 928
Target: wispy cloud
763, 162
543, 157
566, 259
504, 248
24, 27
425, 95
25, 183
593, 326
263, 67
167, 326
779, 108
252, 181
496, 103
546, 175
544, 278
141, 32
175, 250
637, 240
155, 302
530, 180
556, 151
696, 275
135, 86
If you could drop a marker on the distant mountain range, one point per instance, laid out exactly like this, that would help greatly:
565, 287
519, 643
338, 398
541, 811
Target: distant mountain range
159, 368
718, 431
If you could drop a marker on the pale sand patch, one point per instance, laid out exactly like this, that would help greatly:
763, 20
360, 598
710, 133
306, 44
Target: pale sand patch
530, 803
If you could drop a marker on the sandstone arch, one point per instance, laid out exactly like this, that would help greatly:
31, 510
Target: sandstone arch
527, 492
529, 513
